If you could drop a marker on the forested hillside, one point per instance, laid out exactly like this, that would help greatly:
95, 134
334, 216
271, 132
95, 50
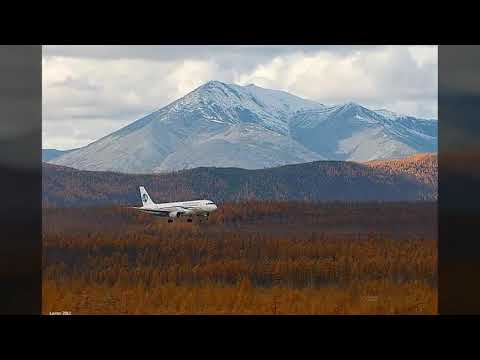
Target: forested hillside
315, 181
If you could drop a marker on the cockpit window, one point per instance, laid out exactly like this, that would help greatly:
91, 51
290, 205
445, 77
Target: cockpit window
209, 203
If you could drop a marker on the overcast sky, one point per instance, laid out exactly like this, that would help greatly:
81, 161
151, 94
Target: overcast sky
91, 91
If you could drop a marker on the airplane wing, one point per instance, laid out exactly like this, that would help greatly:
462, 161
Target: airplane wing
157, 212
164, 211
175, 208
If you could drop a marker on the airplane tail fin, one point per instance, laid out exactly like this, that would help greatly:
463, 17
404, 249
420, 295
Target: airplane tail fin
146, 200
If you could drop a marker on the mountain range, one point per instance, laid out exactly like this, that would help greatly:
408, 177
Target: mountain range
249, 127
409, 179
50, 154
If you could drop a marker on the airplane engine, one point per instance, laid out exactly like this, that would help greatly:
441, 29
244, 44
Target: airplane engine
175, 214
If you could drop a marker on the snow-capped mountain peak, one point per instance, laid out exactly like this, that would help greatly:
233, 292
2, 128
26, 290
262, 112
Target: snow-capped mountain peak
221, 124
389, 114
233, 104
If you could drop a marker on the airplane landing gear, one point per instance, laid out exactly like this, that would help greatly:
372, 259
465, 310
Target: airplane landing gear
189, 220
170, 220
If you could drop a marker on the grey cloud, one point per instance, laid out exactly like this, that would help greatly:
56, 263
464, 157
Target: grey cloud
77, 84
242, 57
175, 52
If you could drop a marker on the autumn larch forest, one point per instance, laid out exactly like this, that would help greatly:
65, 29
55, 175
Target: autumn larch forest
250, 257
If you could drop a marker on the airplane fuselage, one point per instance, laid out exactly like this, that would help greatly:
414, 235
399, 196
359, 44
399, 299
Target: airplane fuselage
175, 209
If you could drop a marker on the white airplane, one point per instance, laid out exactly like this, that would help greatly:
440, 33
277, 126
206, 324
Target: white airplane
176, 209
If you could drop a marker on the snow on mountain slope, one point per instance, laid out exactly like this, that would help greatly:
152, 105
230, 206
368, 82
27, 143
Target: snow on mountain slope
215, 124
353, 132
234, 104
248, 146
224, 125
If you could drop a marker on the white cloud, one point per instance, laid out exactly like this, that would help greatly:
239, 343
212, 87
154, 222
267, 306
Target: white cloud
388, 76
190, 74
424, 55
324, 77
91, 91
